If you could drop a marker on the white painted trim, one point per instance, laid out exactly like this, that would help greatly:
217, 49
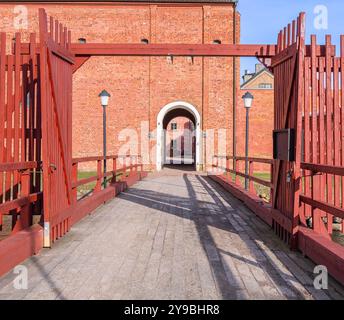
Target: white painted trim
160, 137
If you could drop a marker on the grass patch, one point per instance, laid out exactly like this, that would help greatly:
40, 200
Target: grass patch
86, 188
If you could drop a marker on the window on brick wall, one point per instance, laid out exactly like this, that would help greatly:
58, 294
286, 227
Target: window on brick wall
82, 40
265, 86
173, 126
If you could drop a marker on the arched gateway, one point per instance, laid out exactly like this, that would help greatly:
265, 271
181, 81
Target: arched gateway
167, 113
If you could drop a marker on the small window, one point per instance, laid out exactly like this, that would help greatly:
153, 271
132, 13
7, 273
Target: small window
82, 40
144, 41
173, 126
265, 86
216, 41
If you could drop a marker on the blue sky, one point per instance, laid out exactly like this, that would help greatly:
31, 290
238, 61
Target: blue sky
261, 21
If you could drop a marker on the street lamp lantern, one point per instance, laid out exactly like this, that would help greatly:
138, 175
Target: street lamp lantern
104, 98
248, 98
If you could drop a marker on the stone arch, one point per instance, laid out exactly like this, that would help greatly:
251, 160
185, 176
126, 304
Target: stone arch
174, 107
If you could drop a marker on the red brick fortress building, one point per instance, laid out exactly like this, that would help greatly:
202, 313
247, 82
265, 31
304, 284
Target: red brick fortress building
148, 92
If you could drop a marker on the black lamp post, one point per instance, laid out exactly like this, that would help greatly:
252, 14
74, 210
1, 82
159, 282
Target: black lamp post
104, 100
248, 98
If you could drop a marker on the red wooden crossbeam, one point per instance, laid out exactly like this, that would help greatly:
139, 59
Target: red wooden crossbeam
329, 208
250, 50
322, 168
138, 49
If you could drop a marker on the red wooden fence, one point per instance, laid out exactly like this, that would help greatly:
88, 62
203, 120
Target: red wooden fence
20, 132
308, 192
36, 146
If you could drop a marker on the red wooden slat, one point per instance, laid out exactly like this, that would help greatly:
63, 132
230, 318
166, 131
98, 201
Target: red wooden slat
314, 86
336, 120
16, 120
2, 108
289, 35
322, 138
329, 128
9, 124
293, 32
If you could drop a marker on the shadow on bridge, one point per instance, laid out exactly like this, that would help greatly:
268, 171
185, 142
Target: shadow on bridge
206, 215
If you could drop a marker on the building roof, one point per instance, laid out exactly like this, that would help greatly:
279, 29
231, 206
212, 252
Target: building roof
255, 76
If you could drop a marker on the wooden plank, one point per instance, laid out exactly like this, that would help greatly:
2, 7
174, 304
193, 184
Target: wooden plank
321, 168
336, 120
45, 125
15, 166
9, 124
8, 206
60, 51
307, 137
324, 206
329, 128
16, 111
112, 49
19, 247
322, 137
2, 108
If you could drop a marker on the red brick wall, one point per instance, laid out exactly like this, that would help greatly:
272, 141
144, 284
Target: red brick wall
141, 86
261, 123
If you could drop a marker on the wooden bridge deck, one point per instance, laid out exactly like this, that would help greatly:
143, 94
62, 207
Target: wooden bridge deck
174, 235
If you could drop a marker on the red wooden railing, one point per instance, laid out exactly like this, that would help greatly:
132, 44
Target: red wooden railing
121, 165
19, 201
227, 165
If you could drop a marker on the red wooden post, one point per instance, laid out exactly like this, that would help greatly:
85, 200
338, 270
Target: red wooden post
74, 179
124, 166
227, 169
271, 180
133, 163
141, 164
2, 107
114, 169
24, 220
251, 185
100, 176
237, 166
329, 130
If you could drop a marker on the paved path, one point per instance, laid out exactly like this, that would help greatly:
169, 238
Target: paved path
175, 235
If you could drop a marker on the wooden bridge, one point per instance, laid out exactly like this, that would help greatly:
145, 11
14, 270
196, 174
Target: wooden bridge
174, 235
171, 235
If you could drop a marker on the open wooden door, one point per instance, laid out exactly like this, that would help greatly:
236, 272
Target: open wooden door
287, 67
56, 63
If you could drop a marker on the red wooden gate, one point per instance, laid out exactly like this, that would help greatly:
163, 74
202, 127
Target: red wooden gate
20, 131
56, 64
287, 69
